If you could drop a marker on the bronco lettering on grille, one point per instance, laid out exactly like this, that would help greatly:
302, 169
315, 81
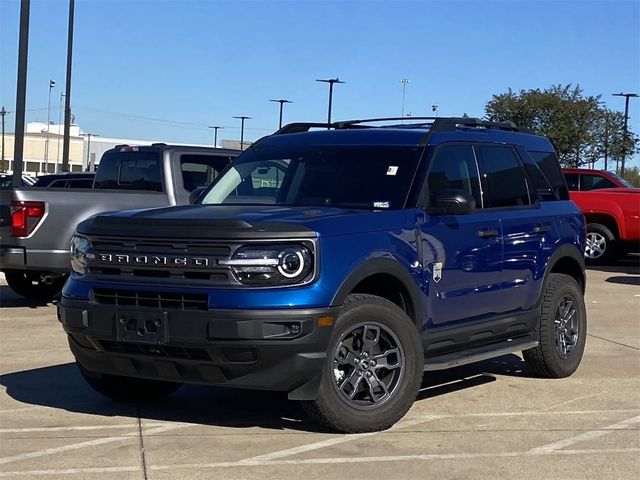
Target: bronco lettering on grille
124, 259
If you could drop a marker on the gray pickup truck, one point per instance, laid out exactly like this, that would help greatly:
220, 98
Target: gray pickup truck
36, 224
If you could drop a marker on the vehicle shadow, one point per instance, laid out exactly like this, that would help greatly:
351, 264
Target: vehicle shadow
9, 299
62, 386
633, 280
629, 265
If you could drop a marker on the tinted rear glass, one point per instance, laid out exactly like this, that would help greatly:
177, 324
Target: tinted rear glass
505, 179
130, 171
548, 163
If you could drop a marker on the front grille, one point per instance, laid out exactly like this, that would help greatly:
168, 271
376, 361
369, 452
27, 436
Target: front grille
168, 351
139, 298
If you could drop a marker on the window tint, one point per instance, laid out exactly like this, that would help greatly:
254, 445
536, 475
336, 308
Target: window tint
136, 170
200, 170
572, 181
80, 183
454, 168
503, 177
548, 163
58, 183
594, 182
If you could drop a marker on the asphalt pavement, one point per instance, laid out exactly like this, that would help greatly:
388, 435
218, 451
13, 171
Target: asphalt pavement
485, 421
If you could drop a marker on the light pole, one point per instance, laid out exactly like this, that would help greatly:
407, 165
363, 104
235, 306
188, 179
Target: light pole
404, 83
3, 113
626, 121
434, 108
67, 93
330, 81
242, 119
89, 135
52, 83
282, 101
59, 135
215, 135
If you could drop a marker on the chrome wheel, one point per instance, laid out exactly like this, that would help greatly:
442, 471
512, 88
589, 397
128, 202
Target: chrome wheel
368, 365
596, 245
566, 327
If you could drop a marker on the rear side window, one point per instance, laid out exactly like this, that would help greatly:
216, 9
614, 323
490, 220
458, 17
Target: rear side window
454, 168
572, 181
548, 163
503, 177
200, 170
594, 182
130, 171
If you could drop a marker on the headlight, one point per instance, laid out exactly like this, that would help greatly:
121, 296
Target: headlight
81, 250
271, 265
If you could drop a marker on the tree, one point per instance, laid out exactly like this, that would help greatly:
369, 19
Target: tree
581, 128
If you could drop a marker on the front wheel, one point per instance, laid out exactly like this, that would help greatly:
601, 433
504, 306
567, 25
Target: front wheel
34, 285
562, 329
374, 368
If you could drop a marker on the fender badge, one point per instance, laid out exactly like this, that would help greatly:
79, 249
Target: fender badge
437, 271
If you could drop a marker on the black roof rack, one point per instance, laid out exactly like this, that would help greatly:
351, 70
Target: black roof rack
435, 124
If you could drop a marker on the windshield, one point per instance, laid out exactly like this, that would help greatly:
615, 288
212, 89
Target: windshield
338, 176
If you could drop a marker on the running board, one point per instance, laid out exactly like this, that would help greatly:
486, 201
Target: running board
479, 354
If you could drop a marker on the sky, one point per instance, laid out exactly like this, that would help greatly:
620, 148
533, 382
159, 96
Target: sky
167, 69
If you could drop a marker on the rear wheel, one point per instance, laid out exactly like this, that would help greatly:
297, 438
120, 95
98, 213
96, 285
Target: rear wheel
601, 244
129, 389
374, 368
562, 329
35, 285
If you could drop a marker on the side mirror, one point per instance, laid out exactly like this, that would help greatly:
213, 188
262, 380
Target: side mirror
453, 202
195, 194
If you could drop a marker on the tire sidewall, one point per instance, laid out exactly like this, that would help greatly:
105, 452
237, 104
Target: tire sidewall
403, 397
610, 245
565, 286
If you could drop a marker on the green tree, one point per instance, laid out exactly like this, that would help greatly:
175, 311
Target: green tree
580, 127
632, 174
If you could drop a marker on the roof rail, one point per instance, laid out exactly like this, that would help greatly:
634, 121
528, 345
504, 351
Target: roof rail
436, 124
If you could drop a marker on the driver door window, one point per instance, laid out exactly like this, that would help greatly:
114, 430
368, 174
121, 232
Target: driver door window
454, 168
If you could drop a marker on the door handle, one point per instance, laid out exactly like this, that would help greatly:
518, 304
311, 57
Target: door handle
486, 233
542, 228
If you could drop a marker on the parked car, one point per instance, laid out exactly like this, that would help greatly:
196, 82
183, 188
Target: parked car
584, 180
338, 265
66, 180
6, 181
36, 224
613, 222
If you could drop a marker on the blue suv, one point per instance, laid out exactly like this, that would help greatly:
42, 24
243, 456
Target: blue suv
338, 263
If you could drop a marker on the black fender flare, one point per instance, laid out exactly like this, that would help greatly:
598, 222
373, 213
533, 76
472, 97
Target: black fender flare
387, 266
565, 251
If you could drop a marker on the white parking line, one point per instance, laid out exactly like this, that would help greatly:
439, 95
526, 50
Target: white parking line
90, 443
72, 429
586, 436
310, 461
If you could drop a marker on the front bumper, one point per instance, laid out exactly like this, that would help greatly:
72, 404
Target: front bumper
281, 350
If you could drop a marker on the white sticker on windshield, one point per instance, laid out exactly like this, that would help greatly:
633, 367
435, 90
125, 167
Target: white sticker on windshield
392, 170
381, 204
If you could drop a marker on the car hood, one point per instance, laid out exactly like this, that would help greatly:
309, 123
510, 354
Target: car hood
246, 221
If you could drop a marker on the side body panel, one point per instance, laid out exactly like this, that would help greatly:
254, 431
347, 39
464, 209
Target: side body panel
621, 205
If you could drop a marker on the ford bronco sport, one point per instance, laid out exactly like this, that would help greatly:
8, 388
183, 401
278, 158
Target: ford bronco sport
338, 265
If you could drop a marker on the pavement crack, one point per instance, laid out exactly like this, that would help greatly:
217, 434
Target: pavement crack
140, 437
613, 341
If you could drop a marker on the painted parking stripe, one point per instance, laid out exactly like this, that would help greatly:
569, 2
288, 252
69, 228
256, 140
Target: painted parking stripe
586, 436
73, 429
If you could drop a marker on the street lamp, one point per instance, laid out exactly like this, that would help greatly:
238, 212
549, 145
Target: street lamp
90, 167
330, 81
434, 108
215, 135
282, 101
242, 119
59, 133
626, 121
404, 83
52, 84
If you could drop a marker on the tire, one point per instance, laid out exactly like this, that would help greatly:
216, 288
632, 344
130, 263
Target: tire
29, 284
350, 360
129, 389
601, 245
547, 359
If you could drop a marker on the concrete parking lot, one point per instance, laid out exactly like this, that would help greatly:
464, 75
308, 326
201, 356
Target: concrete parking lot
486, 421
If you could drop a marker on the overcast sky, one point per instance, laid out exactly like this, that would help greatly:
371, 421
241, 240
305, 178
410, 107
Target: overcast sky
202, 62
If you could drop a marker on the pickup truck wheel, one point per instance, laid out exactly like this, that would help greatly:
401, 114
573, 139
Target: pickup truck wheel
129, 389
562, 329
34, 285
601, 244
374, 367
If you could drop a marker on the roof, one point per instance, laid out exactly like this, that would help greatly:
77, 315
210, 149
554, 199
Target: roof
431, 132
